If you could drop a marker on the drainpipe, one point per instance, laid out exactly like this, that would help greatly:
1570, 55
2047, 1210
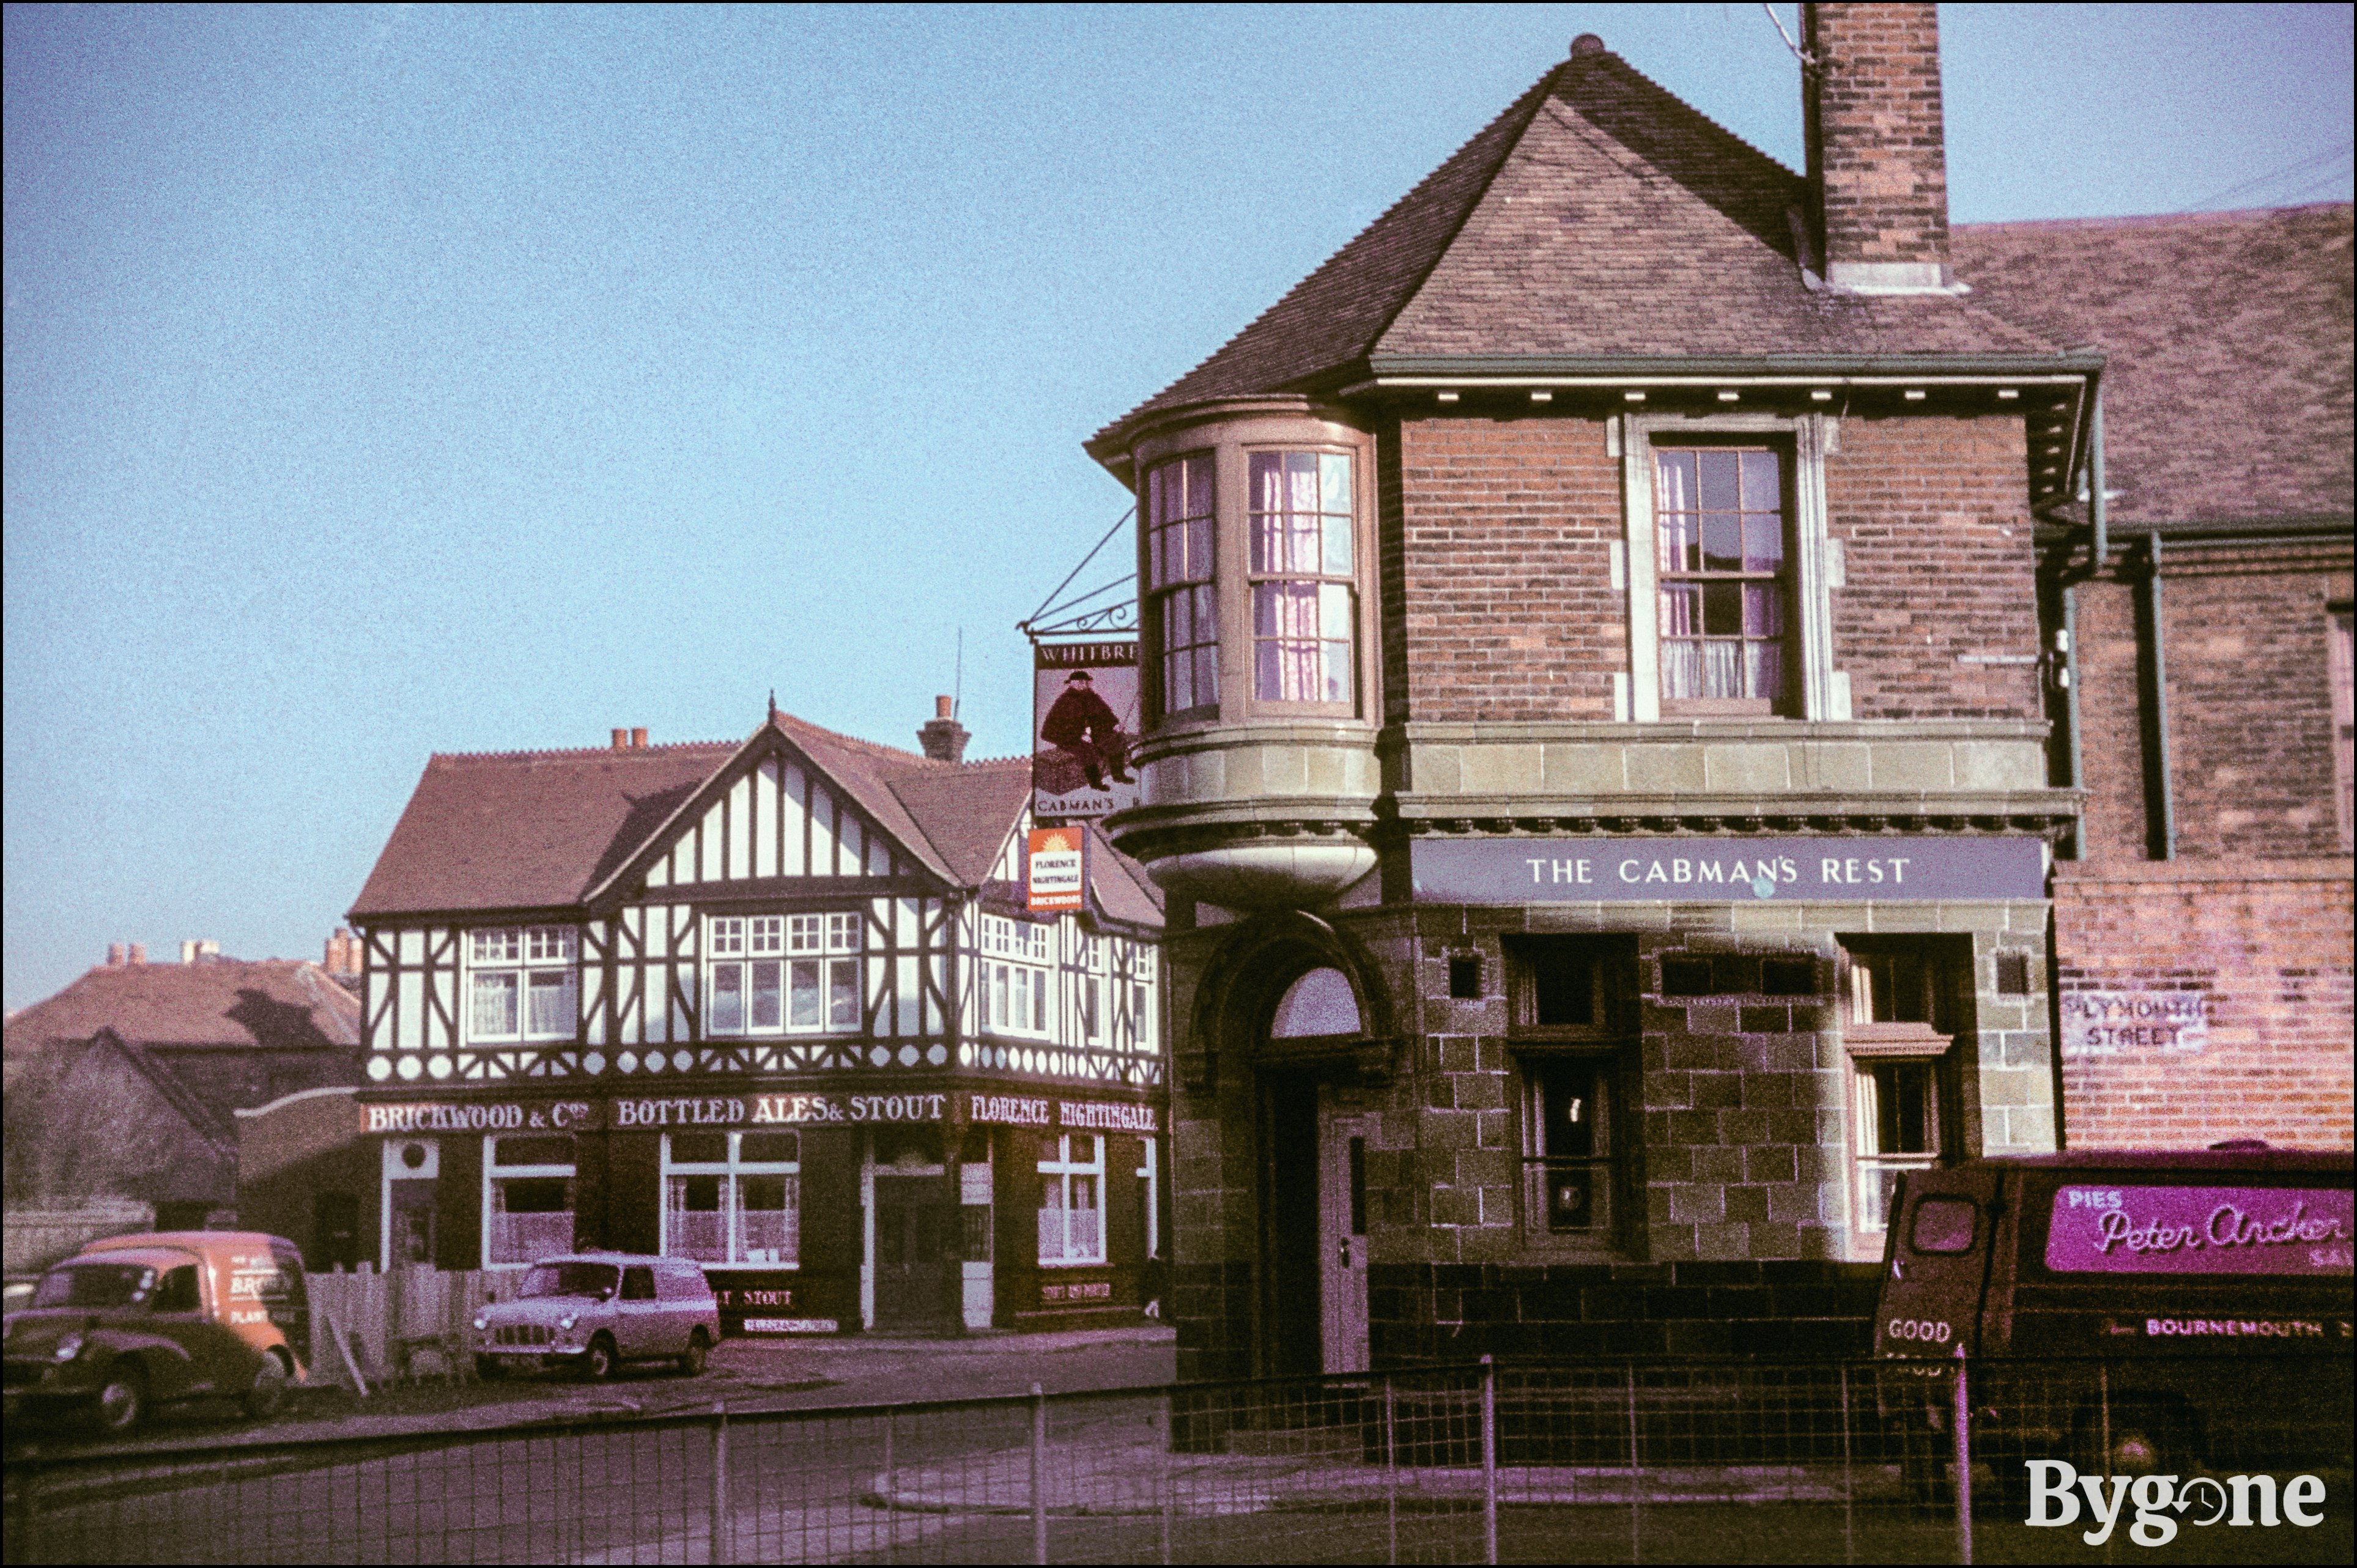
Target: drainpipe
2163, 828
2099, 518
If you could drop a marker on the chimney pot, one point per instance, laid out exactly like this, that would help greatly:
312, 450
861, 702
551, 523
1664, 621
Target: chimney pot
114, 955
138, 953
943, 738
944, 707
639, 738
188, 950
621, 740
1587, 44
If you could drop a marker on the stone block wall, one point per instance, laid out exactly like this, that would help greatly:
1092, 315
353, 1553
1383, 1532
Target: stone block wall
2269, 945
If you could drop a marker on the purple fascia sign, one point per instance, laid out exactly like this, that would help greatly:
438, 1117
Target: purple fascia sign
1647, 870
2127, 1230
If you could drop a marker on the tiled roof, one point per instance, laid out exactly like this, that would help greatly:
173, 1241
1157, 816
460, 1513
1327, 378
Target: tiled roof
280, 1003
1598, 217
528, 830
548, 829
2227, 394
1119, 885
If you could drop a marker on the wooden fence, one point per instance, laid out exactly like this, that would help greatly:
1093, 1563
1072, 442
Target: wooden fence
409, 1322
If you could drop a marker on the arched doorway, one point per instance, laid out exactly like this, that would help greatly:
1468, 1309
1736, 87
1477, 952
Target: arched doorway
1315, 1234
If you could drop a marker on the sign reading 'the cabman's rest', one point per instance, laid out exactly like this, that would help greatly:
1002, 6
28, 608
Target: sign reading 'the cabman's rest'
1627, 870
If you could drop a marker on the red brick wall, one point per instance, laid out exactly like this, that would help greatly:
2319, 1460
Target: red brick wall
1505, 608
1933, 516
2269, 942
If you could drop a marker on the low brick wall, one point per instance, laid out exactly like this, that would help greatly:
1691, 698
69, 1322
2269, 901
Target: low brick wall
2269, 946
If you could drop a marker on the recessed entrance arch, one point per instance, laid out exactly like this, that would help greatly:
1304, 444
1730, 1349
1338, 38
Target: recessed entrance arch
1293, 1016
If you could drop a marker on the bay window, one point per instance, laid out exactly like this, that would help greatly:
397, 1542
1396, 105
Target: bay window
1181, 607
1718, 518
783, 973
1071, 1198
732, 1197
523, 983
527, 1199
1303, 599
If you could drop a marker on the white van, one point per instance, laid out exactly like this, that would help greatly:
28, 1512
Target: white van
592, 1310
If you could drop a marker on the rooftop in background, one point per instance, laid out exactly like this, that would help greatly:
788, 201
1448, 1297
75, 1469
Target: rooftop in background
280, 1003
2227, 394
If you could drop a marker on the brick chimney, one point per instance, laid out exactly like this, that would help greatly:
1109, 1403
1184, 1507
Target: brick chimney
200, 950
1878, 150
138, 953
115, 954
343, 952
944, 738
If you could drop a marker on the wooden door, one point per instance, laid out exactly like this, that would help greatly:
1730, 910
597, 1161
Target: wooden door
912, 1253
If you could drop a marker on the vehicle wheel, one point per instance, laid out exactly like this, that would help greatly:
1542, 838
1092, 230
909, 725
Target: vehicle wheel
598, 1362
699, 1348
271, 1381
121, 1403
490, 1368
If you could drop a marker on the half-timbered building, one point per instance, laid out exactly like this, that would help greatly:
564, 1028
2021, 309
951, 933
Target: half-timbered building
780, 1006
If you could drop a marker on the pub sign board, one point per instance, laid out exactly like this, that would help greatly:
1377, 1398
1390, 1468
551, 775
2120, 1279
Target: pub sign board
1614, 870
1083, 728
1055, 868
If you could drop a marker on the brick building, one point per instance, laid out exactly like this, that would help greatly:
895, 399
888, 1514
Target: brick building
2203, 925
1603, 745
780, 1006
122, 1088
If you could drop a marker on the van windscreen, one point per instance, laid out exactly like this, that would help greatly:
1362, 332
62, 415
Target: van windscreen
2123, 1229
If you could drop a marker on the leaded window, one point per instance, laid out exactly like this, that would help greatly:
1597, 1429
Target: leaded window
1183, 616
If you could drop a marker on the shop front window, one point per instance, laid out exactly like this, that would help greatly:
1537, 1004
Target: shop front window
527, 1199
733, 1197
1071, 1190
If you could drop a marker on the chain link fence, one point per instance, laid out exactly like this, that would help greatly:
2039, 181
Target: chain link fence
1849, 1462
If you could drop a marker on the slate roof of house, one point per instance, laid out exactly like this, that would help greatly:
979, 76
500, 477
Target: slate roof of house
278, 1003
2227, 390
1598, 217
551, 829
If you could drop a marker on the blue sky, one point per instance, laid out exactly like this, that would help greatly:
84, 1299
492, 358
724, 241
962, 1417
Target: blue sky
389, 379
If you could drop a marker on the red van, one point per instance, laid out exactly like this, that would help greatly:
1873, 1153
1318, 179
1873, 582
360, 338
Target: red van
2127, 1312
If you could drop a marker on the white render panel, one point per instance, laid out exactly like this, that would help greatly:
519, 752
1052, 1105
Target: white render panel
410, 1007
593, 1003
740, 830
932, 1009
794, 821
713, 842
822, 820
848, 863
659, 873
905, 1006
445, 995
880, 856
765, 820
413, 946
631, 1024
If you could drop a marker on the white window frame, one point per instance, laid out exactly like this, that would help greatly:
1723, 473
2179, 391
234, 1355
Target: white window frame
1015, 995
1058, 1176
495, 1173
527, 953
731, 1173
828, 945
1089, 999
1823, 692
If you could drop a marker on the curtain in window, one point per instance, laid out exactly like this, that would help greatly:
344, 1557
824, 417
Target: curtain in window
555, 1007
495, 1005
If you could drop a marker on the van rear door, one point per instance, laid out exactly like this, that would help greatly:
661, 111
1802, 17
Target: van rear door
1935, 1264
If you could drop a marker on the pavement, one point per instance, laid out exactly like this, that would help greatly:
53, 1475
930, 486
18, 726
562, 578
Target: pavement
746, 1374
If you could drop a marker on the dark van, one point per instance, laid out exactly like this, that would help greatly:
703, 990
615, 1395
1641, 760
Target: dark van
2127, 1312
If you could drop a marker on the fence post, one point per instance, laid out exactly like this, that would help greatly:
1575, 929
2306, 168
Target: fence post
1489, 1461
1038, 1474
891, 1482
1391, 1468
717, 1551
1169, 1482
1636, 1471
1963, 1463
1850, 1485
